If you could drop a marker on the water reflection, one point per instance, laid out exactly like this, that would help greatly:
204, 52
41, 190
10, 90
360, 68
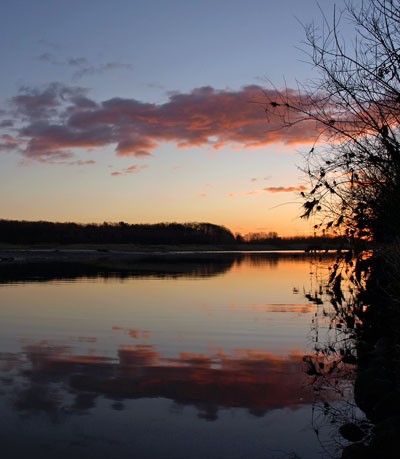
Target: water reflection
35, 266
114, 269
254, 380
363, 348
201, 357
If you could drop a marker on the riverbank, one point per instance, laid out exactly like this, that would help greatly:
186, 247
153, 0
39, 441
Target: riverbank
76, 252
103, 253
166, 248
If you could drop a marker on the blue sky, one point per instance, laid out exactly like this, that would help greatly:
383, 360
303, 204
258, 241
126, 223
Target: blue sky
149, 111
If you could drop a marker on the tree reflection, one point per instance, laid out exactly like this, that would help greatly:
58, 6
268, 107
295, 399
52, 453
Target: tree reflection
52, 265
356, 353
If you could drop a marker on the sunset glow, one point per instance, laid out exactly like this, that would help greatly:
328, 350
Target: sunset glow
119, 123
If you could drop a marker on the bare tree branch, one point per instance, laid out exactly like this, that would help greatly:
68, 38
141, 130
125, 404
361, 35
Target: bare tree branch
354, 165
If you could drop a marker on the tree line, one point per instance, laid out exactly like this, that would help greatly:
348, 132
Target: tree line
45, 232
316, 242
42, 232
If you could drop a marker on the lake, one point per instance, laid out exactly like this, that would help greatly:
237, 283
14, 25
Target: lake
183, 357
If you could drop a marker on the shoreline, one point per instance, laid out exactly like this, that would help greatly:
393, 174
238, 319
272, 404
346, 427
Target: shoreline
125, 258
167, 248
75, 253
40, 263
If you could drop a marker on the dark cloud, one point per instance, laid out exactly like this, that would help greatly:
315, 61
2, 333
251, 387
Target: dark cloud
60, 119
6, 123
33, 104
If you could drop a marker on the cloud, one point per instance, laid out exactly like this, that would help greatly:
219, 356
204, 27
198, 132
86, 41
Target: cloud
285, 189
82, 67
247, 193
85, 70
271, 189
77, 61
89, 162
129, 170
50, 58
59, 119
9, 143
32, 105
6, 123
50, 44
256, 179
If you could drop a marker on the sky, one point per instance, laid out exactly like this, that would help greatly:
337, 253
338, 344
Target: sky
148, 111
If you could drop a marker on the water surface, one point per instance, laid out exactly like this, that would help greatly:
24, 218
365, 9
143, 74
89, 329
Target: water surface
190, 358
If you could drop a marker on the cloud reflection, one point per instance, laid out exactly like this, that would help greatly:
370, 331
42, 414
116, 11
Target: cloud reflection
254, 380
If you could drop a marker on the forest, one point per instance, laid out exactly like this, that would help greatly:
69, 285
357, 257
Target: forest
44, 232
31, 233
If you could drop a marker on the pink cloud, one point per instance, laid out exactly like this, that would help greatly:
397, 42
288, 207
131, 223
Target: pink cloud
271, 189
8, 143
129, 170
62, 119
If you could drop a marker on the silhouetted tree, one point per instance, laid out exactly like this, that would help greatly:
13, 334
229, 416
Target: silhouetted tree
354, 165
41, 232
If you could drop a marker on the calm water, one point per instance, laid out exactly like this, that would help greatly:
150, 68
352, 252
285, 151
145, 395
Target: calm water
177, 360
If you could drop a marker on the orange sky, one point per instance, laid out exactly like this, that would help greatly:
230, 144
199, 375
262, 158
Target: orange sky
110, 126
